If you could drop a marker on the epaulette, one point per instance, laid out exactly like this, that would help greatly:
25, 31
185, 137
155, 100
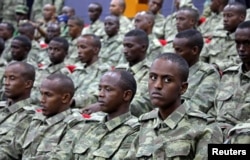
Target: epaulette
95, 117
240, 128
30, 109
133, 122
121, 66
71, 120
230, 69
156, 42
207, 68
2, 104
147, 116
201, 115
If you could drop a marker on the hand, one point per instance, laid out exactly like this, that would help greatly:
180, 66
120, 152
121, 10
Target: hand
91, 108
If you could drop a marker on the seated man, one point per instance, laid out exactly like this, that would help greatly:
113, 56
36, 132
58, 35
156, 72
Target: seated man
111, 138
171, 131
17, 111
49, 123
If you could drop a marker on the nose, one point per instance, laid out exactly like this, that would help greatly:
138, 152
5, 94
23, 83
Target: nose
241, 47
158, 83
101, 93
6, 81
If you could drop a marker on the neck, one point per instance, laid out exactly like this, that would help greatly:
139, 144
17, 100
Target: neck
246, 67
15, 100
94, 59
123, 110
165, 112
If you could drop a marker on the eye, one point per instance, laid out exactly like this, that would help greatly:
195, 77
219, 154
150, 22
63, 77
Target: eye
152, 77
167, 79
12, 78
107, 88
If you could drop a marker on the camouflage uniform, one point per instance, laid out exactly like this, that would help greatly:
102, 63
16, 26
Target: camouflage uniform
96, 28
183, 135
154, 48
37, 7
34, 54
203, 81
111, 51
158, 28
86, 82
240, 134
141, 103
170, 27
43, 134
210, 25
72, 57
8, 10
248, 15
6, 55
221, 50
125, 25
15, 117
232, 100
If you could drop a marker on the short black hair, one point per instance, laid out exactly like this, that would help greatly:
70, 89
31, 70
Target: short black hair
24, 40
63, 41
95, 38
194, 37
117, 21
65, 83
79, 21
99, 6
245, 24
127, 81
27, 70
194, 13
28, 27
181, 62
240, 8
141, 35
10, 27
2, 45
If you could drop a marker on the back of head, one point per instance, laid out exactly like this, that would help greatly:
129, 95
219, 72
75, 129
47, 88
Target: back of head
141, 36
96, 42
244, 25
182, 64
78, 20
64, 83
64, 42
24, 40
193, 36
1, 46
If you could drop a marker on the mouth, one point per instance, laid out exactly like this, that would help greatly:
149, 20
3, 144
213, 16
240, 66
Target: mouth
156, 95
102, 103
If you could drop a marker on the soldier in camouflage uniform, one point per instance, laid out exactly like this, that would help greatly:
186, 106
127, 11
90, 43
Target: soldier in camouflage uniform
221, 49
111, 51
36, 12
111, 138
96, 26
145, 21
155, 7
88, 72
203, 79
6, 33
75, 25
240, 134
186, 18
232, 97
17, 111
216, 18
49, 124
172, 131
2, 65
68, 12
117, 8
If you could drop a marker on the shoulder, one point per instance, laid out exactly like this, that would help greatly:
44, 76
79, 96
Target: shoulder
207, 68
240, 128
232, 69
200, 116
133, 122
149, 116
2, 104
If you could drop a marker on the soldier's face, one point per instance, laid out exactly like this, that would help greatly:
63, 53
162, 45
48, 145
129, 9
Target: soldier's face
52, 31
93, 12
114, 8
111, 26
133, 50
110, 96
56, 52
164, 84
48, 11
141, 22
52, 98
231, 19
184, 21
155, 6
18, 51
74, 29
242, 40
14, 83
182, 48
86, 49
4, 33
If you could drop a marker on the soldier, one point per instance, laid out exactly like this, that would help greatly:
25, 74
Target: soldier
112, 42
21, 13
231, 100
186, 18
145, 21
88, 71
221, 49
216, 18
68, 12
53, 30
6, 33
17, 111
203, 79
49, 123
135, 45
111, 138
2, 62
75, 25
117, 8
154, 7
171, 131
96, 26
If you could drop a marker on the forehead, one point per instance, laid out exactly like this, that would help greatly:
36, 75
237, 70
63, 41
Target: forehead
242, 33
114, 2
55, 43
93, 6
16, 42
164, 67
131, 39
180, 41
183, 13
111, 19
51, 85
231, 8
110, 78
85, 40
2, 25
16, 69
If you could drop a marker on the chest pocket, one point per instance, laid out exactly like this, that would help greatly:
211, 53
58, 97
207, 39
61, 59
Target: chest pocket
48, 144
178, 148
81, 147
4, 129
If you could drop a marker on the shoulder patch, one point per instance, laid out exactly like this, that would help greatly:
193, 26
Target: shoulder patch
2, 104
133, 122
150, 115
201, 115
122, 66
232, 69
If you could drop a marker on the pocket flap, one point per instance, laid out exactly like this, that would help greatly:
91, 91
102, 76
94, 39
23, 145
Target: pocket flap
178, 148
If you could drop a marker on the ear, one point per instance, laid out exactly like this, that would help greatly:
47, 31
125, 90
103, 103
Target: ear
66, 98
195, 50
127, 95
184, 87
96, 50
29, 84
242, 17
143, 47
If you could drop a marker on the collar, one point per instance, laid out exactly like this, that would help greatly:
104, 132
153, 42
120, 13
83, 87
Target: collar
54, 68
115, 122
19, 105
242, 73
194, 68
137, 67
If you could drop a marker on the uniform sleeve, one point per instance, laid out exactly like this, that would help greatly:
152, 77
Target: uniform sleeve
133, 149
